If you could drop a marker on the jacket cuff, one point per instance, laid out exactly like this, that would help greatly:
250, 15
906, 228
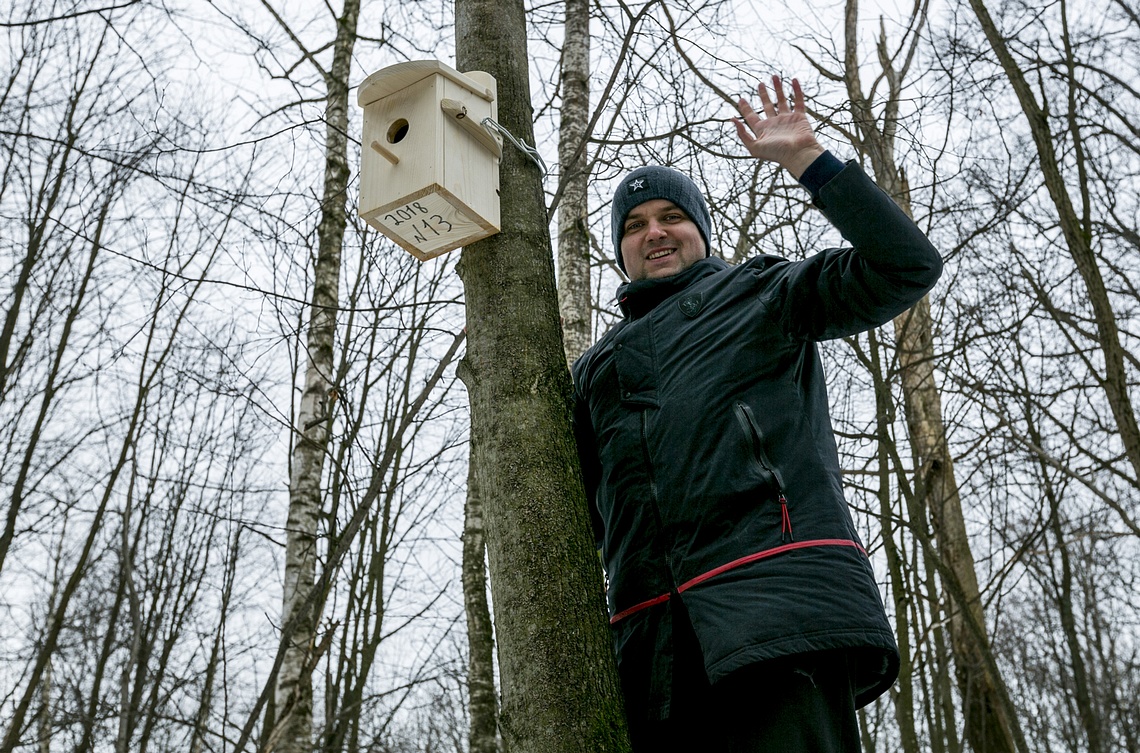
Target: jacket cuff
818, 173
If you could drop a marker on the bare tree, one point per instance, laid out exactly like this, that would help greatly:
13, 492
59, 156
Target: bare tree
87, 356
991, 722
157, 272
387, 482
560, 689
1075, 220
289, 722
135, 417
1045, 344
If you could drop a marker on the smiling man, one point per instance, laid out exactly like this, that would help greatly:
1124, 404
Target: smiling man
745, 613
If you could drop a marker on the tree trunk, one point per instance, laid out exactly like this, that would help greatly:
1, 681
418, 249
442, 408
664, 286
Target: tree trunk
989, 725
127, 708
43, 716
560, 688
944, 732
573, 221
481, 701
294, 693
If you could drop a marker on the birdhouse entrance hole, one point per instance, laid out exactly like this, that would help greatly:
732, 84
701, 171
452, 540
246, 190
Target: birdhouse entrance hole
398, 131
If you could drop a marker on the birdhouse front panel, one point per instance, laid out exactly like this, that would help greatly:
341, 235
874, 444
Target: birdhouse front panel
429, 180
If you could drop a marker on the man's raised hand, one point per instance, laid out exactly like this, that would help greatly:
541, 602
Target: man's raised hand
784, 134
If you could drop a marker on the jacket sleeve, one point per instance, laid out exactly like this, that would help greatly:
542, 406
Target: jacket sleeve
888, 268
588, 459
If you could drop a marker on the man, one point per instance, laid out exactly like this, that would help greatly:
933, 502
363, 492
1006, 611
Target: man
745, 612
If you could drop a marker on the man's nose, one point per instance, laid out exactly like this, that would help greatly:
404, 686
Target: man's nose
655, 230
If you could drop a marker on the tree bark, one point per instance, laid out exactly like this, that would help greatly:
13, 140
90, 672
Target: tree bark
574, 298
559, 683
290, 720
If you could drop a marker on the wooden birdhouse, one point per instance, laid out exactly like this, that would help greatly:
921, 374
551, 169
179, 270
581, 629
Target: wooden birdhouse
429, 173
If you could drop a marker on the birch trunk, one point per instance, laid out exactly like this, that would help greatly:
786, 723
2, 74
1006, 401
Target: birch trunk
559, 684
481, 701
290, 720
574, 297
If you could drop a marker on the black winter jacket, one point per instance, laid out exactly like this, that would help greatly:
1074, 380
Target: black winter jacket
708, 455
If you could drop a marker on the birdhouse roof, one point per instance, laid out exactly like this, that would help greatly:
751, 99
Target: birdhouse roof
402, 75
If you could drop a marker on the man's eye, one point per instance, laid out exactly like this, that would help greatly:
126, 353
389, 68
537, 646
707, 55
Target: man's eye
632, 226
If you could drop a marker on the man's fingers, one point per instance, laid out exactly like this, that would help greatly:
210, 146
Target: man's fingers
797, 95
769, 109
750, 117
781, 100
742, 132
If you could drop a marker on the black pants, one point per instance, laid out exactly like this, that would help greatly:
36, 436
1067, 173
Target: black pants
797, 704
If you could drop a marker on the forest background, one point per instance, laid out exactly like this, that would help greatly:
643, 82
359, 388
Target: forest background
236, 509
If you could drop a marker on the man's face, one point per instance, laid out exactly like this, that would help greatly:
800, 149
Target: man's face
659, 240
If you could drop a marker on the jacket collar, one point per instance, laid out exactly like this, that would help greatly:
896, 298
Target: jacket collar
638, 298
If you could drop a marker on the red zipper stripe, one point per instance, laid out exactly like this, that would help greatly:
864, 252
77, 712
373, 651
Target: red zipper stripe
638, 607
756, 556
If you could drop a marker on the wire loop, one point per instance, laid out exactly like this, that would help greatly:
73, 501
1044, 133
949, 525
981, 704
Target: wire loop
529, 151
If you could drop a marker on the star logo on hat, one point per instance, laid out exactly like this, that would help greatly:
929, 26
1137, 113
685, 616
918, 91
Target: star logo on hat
636, 185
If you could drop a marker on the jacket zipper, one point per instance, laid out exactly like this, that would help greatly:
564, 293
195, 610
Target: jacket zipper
752, 429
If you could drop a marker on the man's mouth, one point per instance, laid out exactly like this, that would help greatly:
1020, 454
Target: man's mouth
659, 254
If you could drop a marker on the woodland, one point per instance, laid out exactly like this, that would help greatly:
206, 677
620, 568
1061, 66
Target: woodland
269, 483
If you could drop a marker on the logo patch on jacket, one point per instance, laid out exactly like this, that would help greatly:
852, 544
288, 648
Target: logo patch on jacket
691, 304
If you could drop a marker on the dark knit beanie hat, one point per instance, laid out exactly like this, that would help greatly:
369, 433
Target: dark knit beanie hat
656, 182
